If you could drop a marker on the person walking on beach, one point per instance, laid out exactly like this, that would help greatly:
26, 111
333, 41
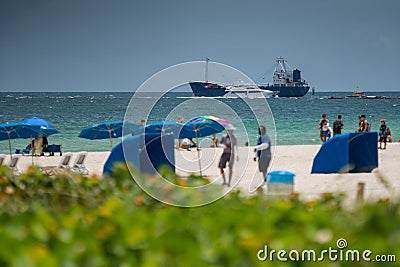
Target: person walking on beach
338, 125
263, 152
383, 134
320, 124
229, 143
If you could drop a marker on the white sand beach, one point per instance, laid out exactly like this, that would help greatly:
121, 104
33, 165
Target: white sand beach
296, 159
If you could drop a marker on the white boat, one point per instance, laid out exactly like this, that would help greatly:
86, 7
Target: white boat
248, 91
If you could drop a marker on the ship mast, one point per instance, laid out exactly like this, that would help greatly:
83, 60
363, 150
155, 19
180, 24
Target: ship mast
206, 74
281, 64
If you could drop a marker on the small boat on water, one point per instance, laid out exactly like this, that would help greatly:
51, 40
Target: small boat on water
358, 94
249, 91
230, 91
361, 94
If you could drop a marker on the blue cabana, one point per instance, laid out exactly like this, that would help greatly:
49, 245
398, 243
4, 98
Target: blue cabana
349, 152
147, 152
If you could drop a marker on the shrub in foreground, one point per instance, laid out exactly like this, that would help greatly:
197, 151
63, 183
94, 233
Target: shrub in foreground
73, 220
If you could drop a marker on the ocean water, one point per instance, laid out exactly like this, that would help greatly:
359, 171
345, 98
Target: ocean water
296, 119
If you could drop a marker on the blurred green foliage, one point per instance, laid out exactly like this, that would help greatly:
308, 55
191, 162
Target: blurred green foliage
73, 220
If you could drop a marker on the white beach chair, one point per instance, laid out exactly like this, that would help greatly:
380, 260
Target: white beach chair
64, 162
63, 165
2, 158
13, 164
79, 163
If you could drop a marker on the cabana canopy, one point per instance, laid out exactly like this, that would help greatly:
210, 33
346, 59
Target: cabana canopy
349, 152
147, 152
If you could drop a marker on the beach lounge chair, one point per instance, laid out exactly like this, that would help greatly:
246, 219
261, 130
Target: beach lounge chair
25, 151
2, 158
79, 163
64, 162
63, 165
51, 149
13, 164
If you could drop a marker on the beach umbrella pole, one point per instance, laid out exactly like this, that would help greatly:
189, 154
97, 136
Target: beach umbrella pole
198, 149
30, 140
109, 132
9, 144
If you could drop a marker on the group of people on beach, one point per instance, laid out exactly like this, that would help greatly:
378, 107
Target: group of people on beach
229, 143
326, 132
38, 146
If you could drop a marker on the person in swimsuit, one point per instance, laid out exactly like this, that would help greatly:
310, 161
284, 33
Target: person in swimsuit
363, 125
389, 135
382, 134
320, 124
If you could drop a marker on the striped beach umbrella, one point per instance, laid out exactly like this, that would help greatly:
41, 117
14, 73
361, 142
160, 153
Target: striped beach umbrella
205, 126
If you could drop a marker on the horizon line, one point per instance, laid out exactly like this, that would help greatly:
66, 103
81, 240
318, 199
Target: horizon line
389, 91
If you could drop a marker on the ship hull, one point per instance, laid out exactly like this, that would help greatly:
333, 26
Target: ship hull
207, 89
287, 91
215, 90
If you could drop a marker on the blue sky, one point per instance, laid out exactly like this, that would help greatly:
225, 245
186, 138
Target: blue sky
98, 45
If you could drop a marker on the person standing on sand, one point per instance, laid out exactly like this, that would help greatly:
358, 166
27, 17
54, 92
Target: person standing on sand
229, 143
363, 125
263, 152
320, 124
326, 131
37, 146
338, 125
214, 141
383, 134
389, 135
180, 120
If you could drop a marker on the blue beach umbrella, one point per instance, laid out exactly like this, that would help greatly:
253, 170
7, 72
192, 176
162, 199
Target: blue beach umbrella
109, 129
37, 121
198, 127
179, 130
45, 126
192, 129
14, 130
46, 131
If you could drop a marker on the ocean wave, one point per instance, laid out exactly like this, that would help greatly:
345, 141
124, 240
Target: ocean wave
75, 96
